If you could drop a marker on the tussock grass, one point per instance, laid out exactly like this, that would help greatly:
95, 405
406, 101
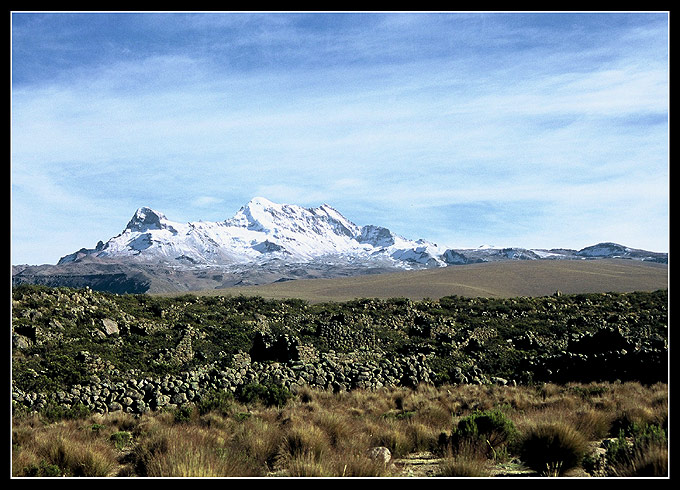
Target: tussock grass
62, 449
649, 461
195, 452
549, 428
552, 448
260, 441
467, 461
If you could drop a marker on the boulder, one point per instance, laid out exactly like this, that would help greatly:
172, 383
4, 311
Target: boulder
110, 327
380, 454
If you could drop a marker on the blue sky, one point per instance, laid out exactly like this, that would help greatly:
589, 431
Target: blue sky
537, 130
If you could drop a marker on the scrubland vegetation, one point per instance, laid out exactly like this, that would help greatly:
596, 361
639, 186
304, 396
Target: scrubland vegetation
563, 385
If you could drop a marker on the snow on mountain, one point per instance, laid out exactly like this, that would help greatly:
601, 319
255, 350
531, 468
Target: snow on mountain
260, 231
607, 249
263, 232
298, 232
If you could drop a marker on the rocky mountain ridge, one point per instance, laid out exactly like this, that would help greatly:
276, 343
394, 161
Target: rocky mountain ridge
260, 232
266, 242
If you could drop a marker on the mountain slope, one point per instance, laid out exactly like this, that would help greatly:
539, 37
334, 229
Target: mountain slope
266, 242
261, 231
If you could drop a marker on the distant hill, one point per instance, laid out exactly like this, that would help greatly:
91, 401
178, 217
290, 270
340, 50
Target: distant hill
492, 279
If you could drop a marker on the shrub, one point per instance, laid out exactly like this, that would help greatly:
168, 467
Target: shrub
645, 455
183, 414
490, 426
54, 412
121, 439
42, 469
555, 447
219, 401
269, 394
631, 419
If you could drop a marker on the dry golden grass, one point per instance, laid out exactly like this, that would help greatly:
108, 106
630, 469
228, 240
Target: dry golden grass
66, 446
195, 452
322, 434
468, 461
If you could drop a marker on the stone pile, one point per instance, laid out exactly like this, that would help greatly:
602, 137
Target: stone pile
142, 394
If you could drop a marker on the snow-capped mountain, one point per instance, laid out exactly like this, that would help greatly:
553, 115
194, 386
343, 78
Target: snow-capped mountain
264, 233
261, 231
266, 242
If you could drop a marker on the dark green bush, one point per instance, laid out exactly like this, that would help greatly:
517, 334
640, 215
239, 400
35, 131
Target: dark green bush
183, 414
491, 431
42, 469
268, 394
219, 401
644, 454
121, 439
487, 424
54, 412
55, 324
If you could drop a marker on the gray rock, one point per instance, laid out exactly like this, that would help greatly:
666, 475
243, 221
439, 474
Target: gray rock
380, 454
179, 399
110, 327
115, 407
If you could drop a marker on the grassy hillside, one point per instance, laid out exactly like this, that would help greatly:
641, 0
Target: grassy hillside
490, 280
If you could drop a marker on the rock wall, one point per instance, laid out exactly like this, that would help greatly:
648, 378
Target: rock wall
330, 372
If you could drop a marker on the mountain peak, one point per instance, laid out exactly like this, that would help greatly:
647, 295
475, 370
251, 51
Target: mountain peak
377, 236
146, 218
261, 202
257, 214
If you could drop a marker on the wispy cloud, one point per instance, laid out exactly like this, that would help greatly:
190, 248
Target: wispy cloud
394, 119
206, 201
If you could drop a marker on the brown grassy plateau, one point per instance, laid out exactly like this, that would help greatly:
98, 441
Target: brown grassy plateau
491, 280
